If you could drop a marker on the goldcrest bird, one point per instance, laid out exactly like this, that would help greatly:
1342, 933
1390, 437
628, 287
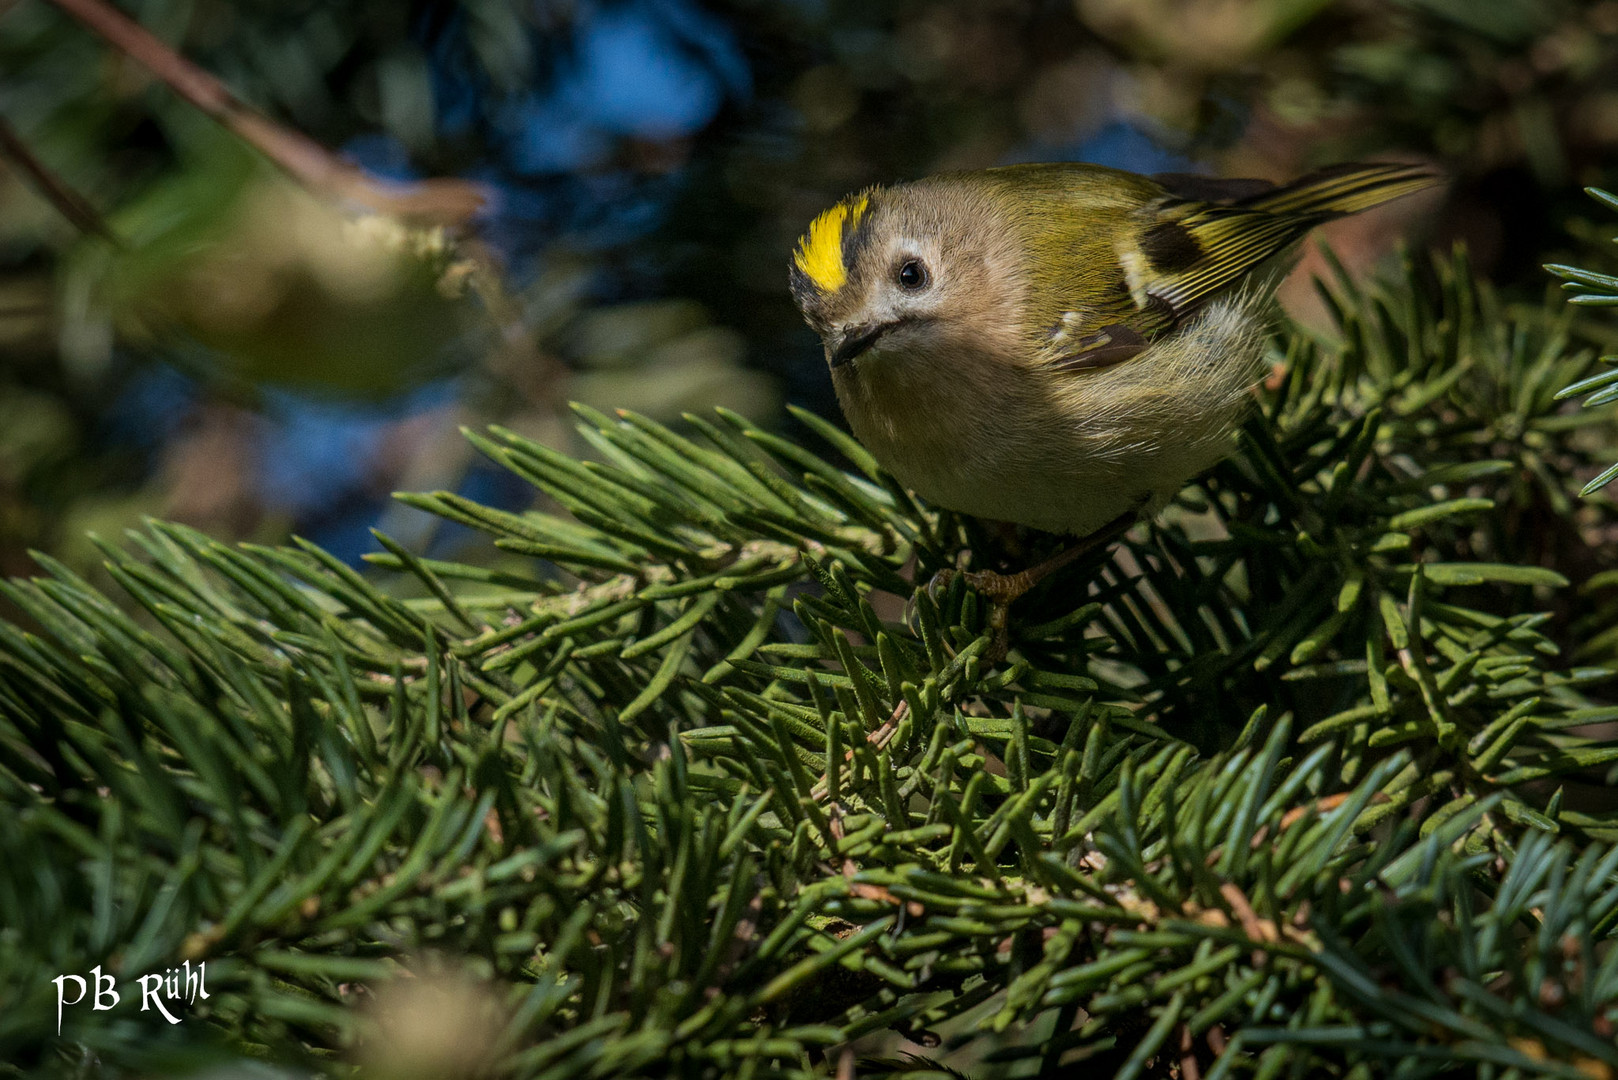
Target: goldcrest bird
1062, 345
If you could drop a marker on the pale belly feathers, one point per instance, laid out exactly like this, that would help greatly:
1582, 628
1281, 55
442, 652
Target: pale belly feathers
1059, 451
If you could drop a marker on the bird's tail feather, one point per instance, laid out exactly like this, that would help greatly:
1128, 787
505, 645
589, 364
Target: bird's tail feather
1343, 189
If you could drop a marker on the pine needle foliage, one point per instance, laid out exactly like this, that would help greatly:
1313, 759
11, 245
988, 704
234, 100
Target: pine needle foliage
1593, 289
1291, 782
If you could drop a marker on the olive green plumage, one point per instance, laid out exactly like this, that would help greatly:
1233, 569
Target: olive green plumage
1054, 344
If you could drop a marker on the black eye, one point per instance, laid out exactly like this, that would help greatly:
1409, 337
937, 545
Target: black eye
913, 275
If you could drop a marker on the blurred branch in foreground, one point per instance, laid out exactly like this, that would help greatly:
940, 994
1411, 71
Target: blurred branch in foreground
73, 206
434, 201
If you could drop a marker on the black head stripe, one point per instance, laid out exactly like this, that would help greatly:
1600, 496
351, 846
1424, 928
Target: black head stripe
803, 290
855, 239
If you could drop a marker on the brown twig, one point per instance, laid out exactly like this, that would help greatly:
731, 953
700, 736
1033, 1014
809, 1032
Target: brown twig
444, 201
1190, 1067
878, 738
69, 203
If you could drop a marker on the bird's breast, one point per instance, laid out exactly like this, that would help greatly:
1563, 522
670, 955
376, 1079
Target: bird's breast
982, 440
1064, 452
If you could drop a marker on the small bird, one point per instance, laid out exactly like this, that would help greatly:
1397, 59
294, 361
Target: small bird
1060, 346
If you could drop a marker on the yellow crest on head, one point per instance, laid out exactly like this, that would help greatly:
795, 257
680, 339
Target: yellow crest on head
820, 252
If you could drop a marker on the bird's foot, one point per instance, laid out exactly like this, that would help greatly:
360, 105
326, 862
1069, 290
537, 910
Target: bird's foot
1003, 590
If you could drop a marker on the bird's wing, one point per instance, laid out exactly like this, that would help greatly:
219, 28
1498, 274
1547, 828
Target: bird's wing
1182, 253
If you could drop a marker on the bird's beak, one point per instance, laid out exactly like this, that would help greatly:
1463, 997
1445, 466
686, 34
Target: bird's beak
856, 340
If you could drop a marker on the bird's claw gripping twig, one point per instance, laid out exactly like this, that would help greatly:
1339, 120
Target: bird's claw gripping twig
1003, 590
